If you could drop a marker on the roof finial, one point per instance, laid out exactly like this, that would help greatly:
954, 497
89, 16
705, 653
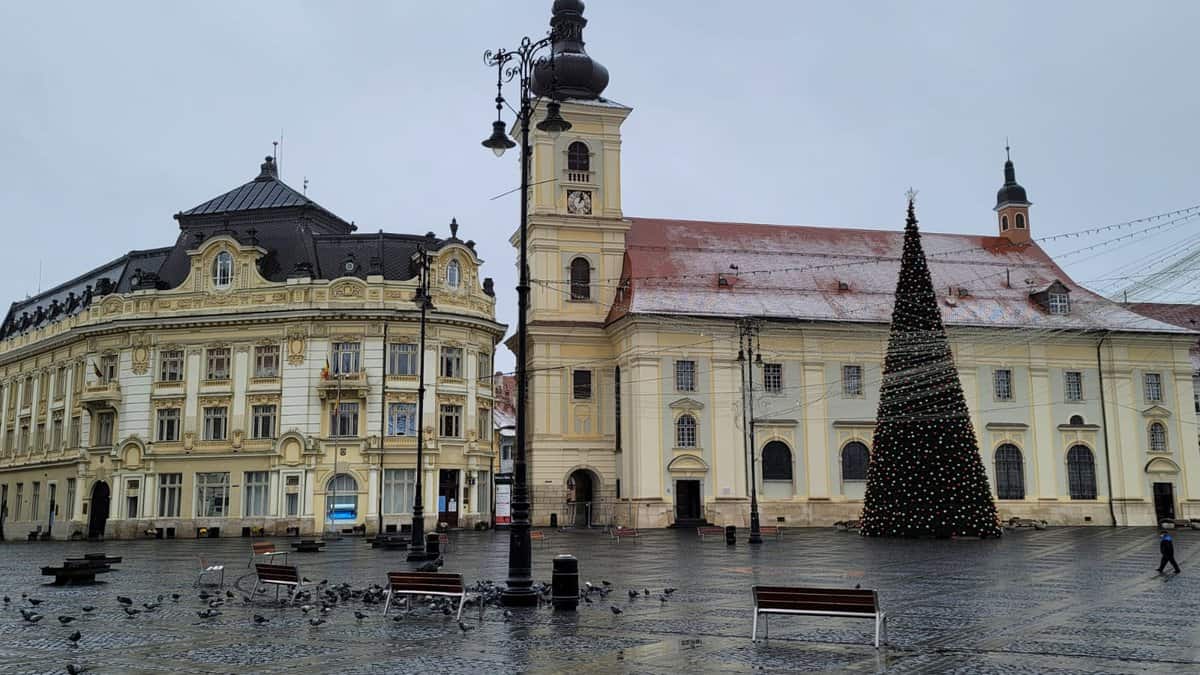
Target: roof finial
1007, 155
268, 169
454, 228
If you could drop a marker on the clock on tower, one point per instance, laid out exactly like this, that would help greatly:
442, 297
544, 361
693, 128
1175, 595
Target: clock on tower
579, 202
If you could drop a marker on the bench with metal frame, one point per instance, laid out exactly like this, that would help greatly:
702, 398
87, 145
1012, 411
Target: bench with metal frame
265, 549
308, 545
279, 576
210, 568
409, 584
771, 531
853, 603
619, 533
76, 572
710, 531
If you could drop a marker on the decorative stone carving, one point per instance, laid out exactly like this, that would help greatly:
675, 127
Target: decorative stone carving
141, 354
402, 397
346, 290
168, 403
236, 438
262, 399
452, 399
295, 346
189, 440
211, 401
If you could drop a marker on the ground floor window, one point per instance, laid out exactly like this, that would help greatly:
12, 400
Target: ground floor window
1010, 473
1081, 473
132, 492
170, 486
212, 495
341, 498
484, 485
37, 497
854, 461
70, 498
291, 500
399, 490
257, 483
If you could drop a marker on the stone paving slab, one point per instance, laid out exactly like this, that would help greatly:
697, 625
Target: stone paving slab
1063, 600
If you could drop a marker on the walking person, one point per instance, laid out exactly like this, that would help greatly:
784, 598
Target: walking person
1166, 546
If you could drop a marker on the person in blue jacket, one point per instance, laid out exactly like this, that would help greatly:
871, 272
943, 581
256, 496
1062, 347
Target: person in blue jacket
1166, 546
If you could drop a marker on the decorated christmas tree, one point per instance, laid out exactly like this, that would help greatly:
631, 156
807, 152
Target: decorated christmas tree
925, 477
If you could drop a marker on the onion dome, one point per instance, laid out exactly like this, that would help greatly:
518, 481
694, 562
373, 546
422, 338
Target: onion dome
1011, 192
570, 73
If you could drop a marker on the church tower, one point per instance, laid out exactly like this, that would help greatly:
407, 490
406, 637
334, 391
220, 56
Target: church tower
1012, 206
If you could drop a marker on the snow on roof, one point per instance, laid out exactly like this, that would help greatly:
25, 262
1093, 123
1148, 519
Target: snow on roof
682, 267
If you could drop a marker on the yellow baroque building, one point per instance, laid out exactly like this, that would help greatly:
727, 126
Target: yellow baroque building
1083, 410
258, 375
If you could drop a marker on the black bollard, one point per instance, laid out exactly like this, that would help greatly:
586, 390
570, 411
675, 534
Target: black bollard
565, 582
731, 535
554, 520
432, 545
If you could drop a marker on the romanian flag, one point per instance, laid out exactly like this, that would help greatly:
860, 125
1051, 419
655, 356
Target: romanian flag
325, 370
96, 368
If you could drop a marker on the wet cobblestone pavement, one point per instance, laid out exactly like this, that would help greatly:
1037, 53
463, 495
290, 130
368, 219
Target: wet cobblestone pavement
1066, 600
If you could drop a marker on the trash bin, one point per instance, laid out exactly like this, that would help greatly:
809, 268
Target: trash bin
433, 544
731, 535
565, 583
554, 520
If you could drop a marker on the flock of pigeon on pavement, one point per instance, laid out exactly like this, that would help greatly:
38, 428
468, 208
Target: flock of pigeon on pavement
322, 599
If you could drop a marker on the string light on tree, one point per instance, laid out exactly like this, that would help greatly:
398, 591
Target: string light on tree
925, 477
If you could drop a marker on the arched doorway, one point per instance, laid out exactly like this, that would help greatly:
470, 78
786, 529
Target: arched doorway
581, 493
98, 509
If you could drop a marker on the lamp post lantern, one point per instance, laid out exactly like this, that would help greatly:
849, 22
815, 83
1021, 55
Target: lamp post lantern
519, 64
416, 541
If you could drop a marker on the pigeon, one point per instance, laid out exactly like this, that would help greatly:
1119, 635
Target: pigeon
216, 603
74, 637
646, 591
431, 566
316, 621
175, 597
359, 615
7, 599
76, 670
247, 599
587, 599
306, 608
508, 615
606, 582
857, 586
615, 609
208, 613
633, 594
124, 600
33, 617
662, 598
132, 611
229, 594
463, 627
150, 606
88, 609
668, 591
260, 619
64, 620
35, 601
204, 595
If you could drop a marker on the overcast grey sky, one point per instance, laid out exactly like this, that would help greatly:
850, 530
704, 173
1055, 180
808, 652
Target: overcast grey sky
116, 115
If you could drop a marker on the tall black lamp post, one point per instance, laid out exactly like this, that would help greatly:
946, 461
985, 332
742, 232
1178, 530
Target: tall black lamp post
520, 64
416, 548
749, 359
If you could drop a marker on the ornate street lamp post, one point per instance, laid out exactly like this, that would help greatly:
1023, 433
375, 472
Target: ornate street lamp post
416, 542
519, 64
748, 360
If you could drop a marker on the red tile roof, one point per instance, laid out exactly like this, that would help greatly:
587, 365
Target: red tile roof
673, 267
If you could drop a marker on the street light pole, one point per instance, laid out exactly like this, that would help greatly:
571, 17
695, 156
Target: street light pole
747, 333
416, 539
519, 64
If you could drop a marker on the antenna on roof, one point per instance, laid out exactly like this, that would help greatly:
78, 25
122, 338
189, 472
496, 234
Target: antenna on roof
278, 152
39, 277
1007, 156
305, 192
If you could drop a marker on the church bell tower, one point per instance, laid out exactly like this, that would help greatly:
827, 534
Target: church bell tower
1012, 205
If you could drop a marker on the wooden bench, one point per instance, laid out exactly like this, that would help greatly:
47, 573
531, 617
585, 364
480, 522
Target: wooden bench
265, 549
76, 572
538, 535
308, 546
771, 531
279, 576
409, 584
619, 533
710, 531
853, 603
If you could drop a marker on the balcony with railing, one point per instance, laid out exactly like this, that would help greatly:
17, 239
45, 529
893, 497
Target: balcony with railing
347, 385
101, 395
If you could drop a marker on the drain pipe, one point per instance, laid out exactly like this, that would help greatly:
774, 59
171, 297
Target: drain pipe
1112, 511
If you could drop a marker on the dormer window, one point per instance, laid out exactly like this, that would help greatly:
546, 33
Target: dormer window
453, 274
1020, 221
1060, 303
223, 270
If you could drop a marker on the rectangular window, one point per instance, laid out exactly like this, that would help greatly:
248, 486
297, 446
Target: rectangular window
76, 425
773, 378
257, 483
10, 439
451, 362
39, 438
212, 495
685, 376
24, 438
1060, 303
56, 431
399, 490
108, 368
77, 383
852, 384
402, 419
1073, 385
170, 366
215, 419
104, 428
60, 383
263, 421
217, 364
1152, 383
343, 421
17, 504
170, 489
70, 498
451, 421
34, 504
132, 492
346, 358
27, 393
483, 421
291, 499
581, 384
402, 359
266, 361
1002, 384
484, 374
168, 425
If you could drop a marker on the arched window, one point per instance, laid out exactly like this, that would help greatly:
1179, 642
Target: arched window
581, 279
341, 498
854, 461
1003, 223
1020, 220
685, 432
1076, 420
223, 269
776, 461
1010, 473
578, 157
1158, 437
1081, 473
453, 274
